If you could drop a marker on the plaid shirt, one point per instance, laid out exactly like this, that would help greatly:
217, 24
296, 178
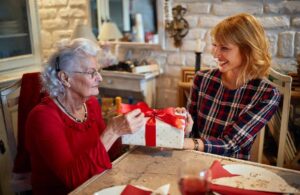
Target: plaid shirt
227, 120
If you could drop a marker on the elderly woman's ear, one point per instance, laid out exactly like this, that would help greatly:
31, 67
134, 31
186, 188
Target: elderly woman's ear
63, 77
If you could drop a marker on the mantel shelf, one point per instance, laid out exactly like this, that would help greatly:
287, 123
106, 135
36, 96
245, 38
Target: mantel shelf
134, 45
129, 75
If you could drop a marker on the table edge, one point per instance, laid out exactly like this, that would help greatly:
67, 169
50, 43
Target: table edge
86, 183
234, 160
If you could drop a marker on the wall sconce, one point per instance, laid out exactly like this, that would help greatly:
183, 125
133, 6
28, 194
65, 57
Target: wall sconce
177, 27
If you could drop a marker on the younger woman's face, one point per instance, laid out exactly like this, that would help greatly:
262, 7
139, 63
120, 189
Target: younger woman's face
228, 56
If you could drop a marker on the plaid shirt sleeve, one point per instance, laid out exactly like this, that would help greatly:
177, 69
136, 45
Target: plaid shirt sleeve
193, 98
192, 102
241, 132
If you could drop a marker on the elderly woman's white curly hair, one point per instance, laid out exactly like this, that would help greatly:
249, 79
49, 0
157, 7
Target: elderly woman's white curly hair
67, 57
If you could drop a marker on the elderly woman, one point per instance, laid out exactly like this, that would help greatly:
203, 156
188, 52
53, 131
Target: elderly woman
229, 105
65, 134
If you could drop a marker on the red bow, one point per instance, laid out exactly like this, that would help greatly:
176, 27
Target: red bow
166, 115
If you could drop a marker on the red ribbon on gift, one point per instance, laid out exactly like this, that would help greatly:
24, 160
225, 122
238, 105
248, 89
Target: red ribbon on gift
166, 115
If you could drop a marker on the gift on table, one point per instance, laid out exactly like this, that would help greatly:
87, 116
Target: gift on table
163, 127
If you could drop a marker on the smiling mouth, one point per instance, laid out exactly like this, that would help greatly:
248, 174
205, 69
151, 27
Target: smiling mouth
222, 63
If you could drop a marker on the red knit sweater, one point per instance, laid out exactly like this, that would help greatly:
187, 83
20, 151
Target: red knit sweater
64, 153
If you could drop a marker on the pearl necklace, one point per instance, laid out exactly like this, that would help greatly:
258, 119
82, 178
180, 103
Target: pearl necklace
71, 115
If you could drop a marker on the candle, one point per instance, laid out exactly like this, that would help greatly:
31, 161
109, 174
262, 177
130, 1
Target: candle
198, 45
103, 10
107, 9
168, 11
139, 28
99, 16
126, 16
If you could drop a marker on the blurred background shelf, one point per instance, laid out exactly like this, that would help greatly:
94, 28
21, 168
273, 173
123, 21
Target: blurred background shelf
139, 87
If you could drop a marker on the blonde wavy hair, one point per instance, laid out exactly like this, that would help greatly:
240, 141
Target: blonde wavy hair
245, 31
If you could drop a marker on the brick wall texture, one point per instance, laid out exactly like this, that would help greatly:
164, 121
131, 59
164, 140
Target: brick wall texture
280, 18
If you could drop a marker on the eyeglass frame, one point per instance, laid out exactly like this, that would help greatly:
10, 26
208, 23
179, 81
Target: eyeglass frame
93, 74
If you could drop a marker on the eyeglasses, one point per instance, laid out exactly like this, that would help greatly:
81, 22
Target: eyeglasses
93, 74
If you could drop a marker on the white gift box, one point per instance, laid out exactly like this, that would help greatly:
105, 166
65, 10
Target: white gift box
166, 135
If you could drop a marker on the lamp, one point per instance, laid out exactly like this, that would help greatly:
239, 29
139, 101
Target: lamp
84, 31
109, 31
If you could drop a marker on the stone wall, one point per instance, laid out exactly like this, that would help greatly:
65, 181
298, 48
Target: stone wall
58, 19
281, 20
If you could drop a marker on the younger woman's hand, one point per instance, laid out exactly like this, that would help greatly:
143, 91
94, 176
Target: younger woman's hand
180, 110
189, 124
189, 120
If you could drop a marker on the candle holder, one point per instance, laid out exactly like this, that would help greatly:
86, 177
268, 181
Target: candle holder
197, 61
298, 62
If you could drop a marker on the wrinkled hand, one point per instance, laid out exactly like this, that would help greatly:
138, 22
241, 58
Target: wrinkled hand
189, 120
128, 123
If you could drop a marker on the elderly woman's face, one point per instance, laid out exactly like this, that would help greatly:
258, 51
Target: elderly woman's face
86, 78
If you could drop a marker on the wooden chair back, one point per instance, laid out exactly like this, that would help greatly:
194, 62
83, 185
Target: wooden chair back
185, 84
17, 100
278, 125
9, 96
9, 104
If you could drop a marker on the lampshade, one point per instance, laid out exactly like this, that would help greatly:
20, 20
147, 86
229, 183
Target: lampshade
83, 31
109, 31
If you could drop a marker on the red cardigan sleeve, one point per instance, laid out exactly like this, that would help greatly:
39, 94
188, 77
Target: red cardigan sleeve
54, 147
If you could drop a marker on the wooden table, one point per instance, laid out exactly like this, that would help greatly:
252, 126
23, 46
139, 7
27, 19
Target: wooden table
151, 167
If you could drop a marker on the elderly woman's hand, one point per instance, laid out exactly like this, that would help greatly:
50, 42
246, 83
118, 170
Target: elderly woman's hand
189, 120
128, 123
